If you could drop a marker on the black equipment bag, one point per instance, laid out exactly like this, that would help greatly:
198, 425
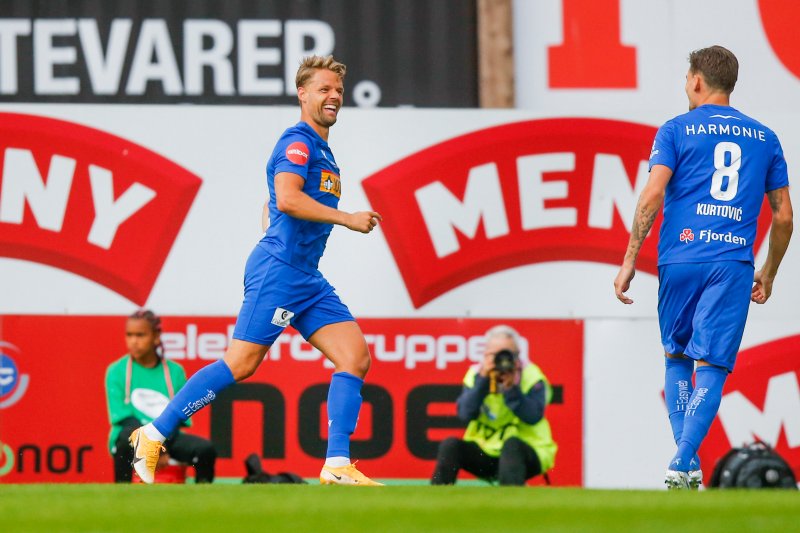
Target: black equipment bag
256, 474
754, 466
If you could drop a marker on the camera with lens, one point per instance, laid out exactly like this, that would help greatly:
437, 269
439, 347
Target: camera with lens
505, 361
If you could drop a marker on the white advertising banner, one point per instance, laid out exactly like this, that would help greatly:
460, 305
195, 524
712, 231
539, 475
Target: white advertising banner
575, 56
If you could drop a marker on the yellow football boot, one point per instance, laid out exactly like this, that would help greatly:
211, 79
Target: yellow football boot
145, 455
345, 475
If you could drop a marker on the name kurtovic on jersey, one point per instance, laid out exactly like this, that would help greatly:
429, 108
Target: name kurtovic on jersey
723, 162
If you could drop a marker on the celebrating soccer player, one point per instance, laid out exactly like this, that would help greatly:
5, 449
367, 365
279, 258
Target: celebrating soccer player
711, 168
283, 286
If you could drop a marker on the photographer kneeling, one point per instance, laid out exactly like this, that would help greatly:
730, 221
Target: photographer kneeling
503, 399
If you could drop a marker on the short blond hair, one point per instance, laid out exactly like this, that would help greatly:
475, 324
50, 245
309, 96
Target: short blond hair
312, 63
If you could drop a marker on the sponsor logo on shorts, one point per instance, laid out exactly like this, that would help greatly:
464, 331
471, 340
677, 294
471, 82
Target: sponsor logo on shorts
282, 317
297, 153
330, 183
687, 235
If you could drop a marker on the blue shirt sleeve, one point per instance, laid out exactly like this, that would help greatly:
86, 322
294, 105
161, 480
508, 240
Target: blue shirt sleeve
293, 154
527, 407
664, 152
468, 404
777, 175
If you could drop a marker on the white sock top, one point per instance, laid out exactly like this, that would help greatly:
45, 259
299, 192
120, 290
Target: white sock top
337, 462
153, 434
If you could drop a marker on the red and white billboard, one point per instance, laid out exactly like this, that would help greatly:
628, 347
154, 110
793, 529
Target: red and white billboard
56, 426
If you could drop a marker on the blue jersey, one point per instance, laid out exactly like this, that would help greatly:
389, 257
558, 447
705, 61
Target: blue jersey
301, 151
722, 162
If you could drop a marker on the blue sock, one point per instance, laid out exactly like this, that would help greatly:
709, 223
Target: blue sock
344, 403
700, 413
678, 389
199, 391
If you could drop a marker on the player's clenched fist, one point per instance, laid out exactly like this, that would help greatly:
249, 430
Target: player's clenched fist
363, 221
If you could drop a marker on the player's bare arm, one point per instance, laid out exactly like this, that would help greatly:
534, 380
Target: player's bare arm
291, 199
647, 209
265, 217
779, 236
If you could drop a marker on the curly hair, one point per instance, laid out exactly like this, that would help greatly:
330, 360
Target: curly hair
155, 324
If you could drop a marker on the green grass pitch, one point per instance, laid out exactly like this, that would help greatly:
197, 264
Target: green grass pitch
300, 508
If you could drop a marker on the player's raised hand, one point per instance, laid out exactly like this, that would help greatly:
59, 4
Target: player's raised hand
363, 221
762, 287
623, 282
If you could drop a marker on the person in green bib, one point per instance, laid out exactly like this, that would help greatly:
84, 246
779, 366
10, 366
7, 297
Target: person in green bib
138, 386
508, 439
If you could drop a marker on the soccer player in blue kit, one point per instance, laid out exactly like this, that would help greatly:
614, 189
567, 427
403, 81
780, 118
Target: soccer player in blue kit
711, 168
283, 286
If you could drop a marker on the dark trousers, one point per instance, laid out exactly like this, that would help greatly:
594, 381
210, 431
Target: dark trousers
517, 463
189, 449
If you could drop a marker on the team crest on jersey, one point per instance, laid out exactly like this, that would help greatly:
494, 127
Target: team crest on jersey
330, 182
328, 159
687, 235
282, 317
297, 153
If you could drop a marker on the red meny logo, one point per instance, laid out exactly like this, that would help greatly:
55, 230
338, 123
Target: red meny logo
541, 190
89, 202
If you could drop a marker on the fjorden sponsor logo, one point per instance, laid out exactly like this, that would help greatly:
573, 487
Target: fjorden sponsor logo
708, 236
528, 192
85, 201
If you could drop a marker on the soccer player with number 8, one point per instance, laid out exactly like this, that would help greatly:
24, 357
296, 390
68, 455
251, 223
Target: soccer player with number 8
711, 168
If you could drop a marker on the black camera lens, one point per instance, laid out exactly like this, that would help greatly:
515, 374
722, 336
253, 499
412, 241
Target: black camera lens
504, 361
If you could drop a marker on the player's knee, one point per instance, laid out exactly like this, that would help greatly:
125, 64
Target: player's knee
242, 369
449, 447
363, 364
206, 452
243, 364
357, 364
513, 446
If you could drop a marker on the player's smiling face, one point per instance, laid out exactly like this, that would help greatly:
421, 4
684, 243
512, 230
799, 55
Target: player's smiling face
321, 97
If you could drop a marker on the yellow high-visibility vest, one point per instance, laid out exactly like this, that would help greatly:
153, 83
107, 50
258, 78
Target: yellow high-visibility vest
496, 422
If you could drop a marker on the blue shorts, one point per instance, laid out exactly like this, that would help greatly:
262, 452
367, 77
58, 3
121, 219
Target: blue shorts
277, 294
702, 309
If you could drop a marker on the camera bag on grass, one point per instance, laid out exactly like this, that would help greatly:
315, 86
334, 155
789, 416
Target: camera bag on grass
754, 466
